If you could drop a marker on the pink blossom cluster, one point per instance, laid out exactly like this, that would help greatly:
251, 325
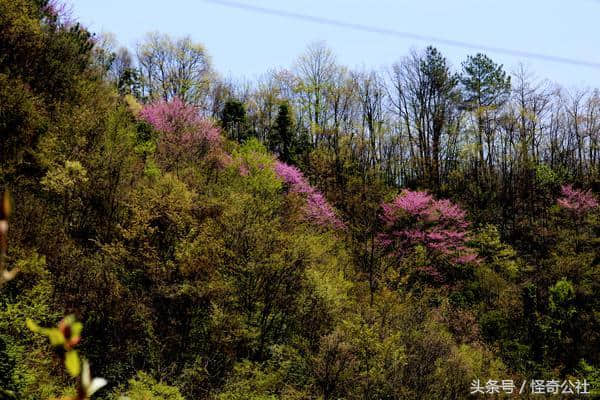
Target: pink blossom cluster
184, 132
317, 209
417, 218
243, 169
177, 117
423, 206
579, 202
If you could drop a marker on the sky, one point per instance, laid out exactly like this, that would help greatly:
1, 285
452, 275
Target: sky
245, 44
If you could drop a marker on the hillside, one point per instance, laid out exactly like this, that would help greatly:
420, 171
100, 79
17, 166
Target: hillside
321, 233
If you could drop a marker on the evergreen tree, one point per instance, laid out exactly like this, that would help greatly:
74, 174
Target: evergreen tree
486, 87
282, 136
234, 120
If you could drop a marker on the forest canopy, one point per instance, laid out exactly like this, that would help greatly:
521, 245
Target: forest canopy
321, 232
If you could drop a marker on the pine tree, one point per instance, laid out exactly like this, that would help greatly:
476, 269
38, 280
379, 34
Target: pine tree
234, 120
282, 137
486, 88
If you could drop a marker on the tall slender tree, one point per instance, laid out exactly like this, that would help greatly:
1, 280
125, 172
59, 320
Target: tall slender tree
486, 88
282, 135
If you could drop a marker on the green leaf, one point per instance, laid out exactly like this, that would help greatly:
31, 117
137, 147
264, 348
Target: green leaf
76, 329
55, 336
32, 326
72, 363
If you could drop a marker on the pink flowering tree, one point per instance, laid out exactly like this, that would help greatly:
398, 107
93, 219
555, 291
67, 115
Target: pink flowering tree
316, 210
415, 218
184, 134
577, 202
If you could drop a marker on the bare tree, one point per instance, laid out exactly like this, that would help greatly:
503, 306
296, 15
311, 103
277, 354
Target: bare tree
173, 68
315, 71
426, 101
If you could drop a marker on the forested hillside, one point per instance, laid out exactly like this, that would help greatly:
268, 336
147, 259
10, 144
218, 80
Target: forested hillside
318, 233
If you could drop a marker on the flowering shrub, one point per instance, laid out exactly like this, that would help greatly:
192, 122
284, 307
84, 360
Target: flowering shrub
416, 218
185, 134
317, 209
293, 177
578, 202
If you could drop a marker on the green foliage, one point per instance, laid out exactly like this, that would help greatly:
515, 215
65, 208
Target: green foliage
562, 295
234, 121
255, 166
30, 367
208, 277
63, 179
545, 175
282, 139
279, 378
144, 387
465, 363
592, 375
486, 83
499, 256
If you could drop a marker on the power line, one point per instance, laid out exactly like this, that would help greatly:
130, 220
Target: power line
405, 35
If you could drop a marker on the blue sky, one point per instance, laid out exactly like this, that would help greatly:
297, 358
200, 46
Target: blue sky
245, 44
